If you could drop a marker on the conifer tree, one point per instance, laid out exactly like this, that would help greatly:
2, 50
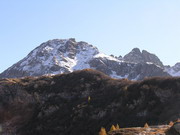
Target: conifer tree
117, 127
112, 128
146, 125
171, 123
102, 131
89, 99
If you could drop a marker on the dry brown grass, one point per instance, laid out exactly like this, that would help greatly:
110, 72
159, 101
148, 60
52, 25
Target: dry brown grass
141, 130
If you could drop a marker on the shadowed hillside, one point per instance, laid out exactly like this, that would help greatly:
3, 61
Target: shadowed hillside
82, 102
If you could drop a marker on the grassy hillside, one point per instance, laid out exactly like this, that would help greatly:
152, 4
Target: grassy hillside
84, 101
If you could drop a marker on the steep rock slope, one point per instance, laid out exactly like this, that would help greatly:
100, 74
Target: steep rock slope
66, 55
137, 56
53, 57
174, 70
83, 101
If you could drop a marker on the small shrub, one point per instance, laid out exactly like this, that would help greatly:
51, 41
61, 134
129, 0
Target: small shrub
125, 88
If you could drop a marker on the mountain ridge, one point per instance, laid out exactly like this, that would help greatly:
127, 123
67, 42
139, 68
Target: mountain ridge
59, 56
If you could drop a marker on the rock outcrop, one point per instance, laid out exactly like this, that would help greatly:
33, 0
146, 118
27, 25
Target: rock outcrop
174, 70
137, 56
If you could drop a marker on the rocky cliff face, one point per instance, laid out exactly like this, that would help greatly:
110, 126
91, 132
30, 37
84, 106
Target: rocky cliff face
64, 56
54, 57
82, 102
174, 70
134, 56
137, 56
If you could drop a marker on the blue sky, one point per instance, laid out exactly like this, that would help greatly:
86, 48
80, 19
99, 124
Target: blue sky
114, 26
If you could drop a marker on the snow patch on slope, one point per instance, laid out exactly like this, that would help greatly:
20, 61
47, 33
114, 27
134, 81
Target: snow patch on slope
114, 75
102, 55
83, 57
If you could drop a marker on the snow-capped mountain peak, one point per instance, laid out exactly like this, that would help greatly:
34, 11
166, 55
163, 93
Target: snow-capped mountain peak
59, 56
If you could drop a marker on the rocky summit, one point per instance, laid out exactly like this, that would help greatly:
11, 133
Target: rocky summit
59, 56
137, 56
82, 102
